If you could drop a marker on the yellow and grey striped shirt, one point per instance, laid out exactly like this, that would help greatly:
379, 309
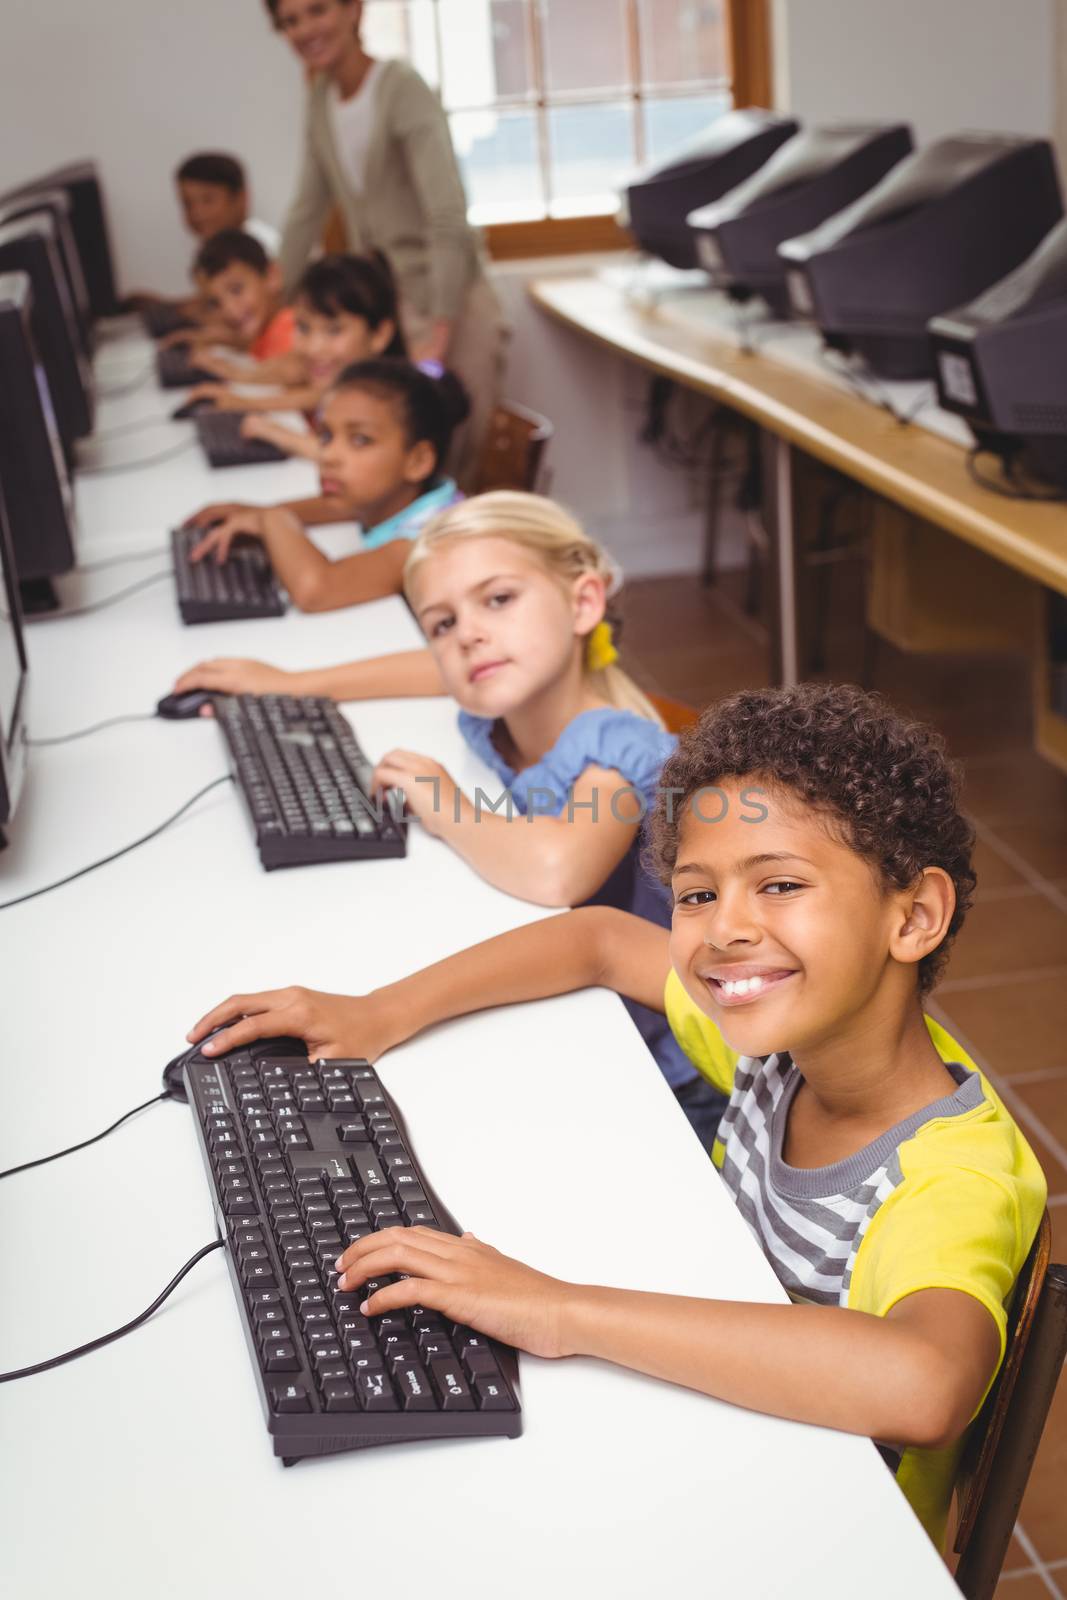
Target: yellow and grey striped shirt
950, 1198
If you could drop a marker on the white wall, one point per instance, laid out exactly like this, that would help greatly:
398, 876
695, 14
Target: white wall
139, 84
945, 65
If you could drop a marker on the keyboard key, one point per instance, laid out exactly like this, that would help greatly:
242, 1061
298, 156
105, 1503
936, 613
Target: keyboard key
290, 1397
281, 1358
491, 1394
339, 1396
414, 1386
375, 1391
451, 1385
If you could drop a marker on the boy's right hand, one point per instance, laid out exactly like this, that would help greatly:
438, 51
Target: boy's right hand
337, 1025
225, 675
219, 537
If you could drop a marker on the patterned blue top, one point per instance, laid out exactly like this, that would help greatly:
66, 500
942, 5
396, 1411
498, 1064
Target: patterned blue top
409, 523
621, 742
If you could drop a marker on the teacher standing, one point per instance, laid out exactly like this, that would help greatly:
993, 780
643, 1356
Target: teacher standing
377, 146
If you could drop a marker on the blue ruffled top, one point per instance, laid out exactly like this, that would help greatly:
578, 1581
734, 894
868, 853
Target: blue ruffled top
622, 742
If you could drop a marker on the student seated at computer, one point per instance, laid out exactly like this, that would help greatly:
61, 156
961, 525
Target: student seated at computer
820, 868
241, 288
344, 311
511, 592
213, 195
385, 429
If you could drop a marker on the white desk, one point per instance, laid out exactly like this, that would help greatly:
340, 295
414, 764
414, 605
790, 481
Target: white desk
145, 1469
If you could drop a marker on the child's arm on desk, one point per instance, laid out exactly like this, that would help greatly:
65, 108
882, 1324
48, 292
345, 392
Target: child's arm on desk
409, 672
912, 1377
552, 860
318, 511
314, 582
594, 947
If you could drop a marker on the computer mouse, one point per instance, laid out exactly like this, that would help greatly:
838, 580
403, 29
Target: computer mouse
280, 1049
175, 707
191, 409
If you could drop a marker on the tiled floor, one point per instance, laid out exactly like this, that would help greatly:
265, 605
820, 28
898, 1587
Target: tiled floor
1003, 996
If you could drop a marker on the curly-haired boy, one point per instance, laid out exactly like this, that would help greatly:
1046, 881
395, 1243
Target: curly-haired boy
820, 869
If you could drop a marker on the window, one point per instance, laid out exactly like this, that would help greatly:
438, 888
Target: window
552, 102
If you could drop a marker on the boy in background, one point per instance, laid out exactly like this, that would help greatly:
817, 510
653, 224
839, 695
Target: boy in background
213, 195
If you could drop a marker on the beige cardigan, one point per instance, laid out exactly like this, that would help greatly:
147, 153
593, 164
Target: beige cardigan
412, 207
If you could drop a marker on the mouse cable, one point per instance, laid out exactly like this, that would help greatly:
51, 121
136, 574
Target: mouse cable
159, 550
109, 468
108, 600
118, 1333
43, 1161
47, 888
83, 733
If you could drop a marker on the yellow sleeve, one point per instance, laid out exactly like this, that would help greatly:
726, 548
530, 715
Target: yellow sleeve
963, 1216
698, 1035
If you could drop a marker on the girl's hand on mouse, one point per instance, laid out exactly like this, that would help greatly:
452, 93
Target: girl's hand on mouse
465, 1281
429, 792
226, 676
331, 1025
218, 539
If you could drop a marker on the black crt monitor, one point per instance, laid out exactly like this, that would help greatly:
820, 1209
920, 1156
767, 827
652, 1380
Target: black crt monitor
13, 677
37, 491
813, 175
56, 203
29, 245
658, 199
946, 223
1001, 362
88, 218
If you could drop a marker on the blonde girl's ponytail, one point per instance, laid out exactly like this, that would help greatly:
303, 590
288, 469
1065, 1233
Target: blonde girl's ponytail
559, 541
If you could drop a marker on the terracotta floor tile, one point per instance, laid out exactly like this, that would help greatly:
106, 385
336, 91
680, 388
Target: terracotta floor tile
1048, 1101
1016, 1557
1017, 787
1027, 1586
992, 869
1021, 934
1041, 841
1018, 1026
1042, 1513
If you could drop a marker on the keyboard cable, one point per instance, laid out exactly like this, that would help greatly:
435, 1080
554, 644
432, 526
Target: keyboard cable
117, 1333
108, 599
96, 727
57, 1155
104, 861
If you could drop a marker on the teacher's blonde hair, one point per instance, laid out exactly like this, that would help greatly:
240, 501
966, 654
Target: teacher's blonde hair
544, 530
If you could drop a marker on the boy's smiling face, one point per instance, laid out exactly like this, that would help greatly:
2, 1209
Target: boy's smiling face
242, 297
781, 933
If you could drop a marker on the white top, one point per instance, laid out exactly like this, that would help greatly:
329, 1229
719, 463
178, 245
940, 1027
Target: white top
352, 121
532, 1122
267, 234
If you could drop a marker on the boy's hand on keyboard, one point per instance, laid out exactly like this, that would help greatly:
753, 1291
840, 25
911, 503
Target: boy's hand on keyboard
462, 1279
428, 790
235, 676
211, 393
332, 1025
218, 538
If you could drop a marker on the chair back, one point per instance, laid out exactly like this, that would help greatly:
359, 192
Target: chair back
515, 444
675, 714
1005, 1436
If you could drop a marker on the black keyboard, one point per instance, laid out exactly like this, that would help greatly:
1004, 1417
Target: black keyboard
225, 446
242, 586
306, 782
175, 369
304, 1160
163, 319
